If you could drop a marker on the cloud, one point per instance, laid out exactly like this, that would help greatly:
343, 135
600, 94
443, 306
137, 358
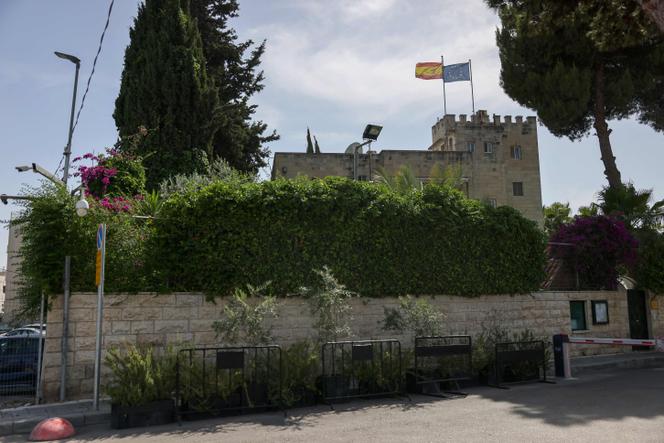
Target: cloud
323, 53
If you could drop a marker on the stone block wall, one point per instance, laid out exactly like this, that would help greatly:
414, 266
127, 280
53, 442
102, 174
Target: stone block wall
180, 318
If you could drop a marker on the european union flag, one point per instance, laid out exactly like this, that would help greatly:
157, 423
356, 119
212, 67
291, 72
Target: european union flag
456, 73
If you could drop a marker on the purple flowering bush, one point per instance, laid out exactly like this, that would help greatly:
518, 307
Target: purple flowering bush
113, 179
601, 248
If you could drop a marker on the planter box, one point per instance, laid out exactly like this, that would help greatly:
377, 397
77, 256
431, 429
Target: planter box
152, 414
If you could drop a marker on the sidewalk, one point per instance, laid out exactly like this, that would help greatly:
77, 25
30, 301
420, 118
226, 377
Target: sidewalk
80, 413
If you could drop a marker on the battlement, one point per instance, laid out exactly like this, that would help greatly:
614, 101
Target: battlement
482, 118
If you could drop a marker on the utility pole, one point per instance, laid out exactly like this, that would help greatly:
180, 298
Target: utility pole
67, 153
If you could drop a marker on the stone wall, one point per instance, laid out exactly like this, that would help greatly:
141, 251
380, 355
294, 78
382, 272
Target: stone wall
177, 318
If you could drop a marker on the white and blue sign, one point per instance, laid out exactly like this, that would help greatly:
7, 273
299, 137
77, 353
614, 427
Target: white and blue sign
100, 237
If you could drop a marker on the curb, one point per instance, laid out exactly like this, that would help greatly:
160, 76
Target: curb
78, 420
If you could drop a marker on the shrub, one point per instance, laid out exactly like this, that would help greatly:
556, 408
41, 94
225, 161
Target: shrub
328, 301
414, 315
376, 242
649, 271
228, 234
140, 375
114, 174
51, 230
245, 317
600, 247
301, 367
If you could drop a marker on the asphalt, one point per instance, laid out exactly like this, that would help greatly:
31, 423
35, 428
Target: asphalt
613, 406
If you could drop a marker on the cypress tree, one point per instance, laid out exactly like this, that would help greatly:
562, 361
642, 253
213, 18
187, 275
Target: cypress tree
316, 147
234, 67
582, 63
310, 146
166, 89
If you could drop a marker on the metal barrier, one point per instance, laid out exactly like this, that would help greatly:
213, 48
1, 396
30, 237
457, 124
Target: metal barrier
442, 359
561, 344
19, 369
359, 369
214, 381
525, 357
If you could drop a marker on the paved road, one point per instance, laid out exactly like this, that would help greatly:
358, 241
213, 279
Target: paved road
625, 406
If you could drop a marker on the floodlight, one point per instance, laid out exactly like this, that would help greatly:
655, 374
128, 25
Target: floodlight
371, 132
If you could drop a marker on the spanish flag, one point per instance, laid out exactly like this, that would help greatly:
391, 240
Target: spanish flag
429, 70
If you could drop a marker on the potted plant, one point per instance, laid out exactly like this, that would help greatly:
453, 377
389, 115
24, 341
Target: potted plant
141, 386
246, 321
418, 318
301, 365
329, 305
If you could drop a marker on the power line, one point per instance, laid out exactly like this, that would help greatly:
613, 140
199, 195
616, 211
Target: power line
94, 63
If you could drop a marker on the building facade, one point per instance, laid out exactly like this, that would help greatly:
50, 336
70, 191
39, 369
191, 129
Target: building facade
3, 288
12, 306
498, 159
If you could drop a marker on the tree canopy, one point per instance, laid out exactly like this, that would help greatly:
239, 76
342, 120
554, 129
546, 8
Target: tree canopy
234, 66
165, 89
581, 63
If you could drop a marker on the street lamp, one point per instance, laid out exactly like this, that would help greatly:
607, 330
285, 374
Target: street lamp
67, 152
4, 198
41, 171
82, 207
370, 134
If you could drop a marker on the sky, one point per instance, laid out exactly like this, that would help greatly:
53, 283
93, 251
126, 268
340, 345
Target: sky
331, 65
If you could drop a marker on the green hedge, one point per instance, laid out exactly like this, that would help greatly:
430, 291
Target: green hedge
377, 242
228, 234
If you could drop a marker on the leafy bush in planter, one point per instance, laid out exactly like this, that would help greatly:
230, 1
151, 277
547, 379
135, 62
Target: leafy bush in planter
484, 351
301, 367
140, 375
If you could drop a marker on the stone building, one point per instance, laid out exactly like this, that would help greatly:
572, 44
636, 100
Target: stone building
2, 288
12, 305
499, 160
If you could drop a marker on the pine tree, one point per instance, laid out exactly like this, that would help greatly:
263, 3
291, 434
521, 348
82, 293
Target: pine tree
310, 146
165, 88
581, 63
239, 140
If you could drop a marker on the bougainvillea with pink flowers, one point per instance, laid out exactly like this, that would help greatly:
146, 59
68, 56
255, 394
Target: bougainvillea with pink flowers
113, 178
599, 249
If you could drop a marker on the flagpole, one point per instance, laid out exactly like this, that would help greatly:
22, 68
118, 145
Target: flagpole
442, 67
472, 91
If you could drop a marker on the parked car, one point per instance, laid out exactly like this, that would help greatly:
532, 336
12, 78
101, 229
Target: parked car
19, 357
23, 332
35, 326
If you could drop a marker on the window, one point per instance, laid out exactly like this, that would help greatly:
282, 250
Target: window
362, 178
516, 152
517, 189
470, 146
492, 202
600, 309
488, 147
577, 310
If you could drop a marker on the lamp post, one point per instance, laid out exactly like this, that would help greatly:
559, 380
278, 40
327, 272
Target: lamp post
370, 134
41, 171
67, 153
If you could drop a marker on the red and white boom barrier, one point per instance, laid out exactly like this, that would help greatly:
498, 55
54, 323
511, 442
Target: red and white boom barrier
561, 344
611, 341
